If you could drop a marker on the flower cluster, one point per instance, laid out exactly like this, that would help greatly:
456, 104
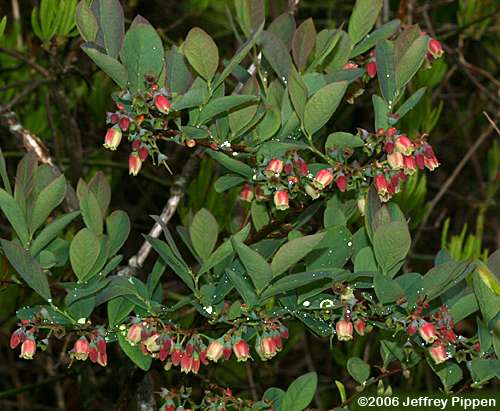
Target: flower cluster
143, 119
437, 331
394, 158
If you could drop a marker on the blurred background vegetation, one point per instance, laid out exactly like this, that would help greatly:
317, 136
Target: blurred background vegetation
457, 207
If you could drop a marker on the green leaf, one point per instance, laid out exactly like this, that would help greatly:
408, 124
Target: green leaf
342, 392
3, 172
202, 53
269, 125
14, 215
27, 267
118, 228
387, 289
342, 139
255, 265
223, 104
86, 21
381, 110
173, 262
365, 260
413, 287
363, 17
410, 103
3, 24
204, 231
381, 33
320, 108
83, 252
50, 197
118, 310
300, 393
449, 373
297, 90
411, 61
488, 300
102, 191
142, 55
239, 56
292, 252
91, 212
231, 164
463, 307
250, 14
391, 243
51, 231
326, 41
135, 353
333, 251
111, 25
283, 27
484, 370
260, 217
386, 71
294, 281
276, 52
358, 369
303, 43
112, 67
226, 182
177, 71
438, 279
243, 286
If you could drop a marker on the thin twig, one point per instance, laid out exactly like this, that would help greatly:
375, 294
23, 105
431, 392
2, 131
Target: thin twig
447, 184
26, 59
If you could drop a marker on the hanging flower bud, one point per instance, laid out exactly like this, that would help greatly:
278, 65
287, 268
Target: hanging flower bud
143, 153
350, 66
102, 356
162, 104
410, 164
246, 193
227, 351
395, 160
301, 166
113, 118
341, 182
404, 145
28, 349
431, 162
389, 147
166, 346
449, 335
284, 332
281, 200
381, 184
134, 164
438, 353
168, 406
203, 357
195, 363
81, 349
177, 354
274, 168
215, 350
186, 363
412, 328
292, 180
312, 192
288, 167
360, 326
419, 159
17, 338
323, 179
391, 131
134, 334
371, 69
124, 123
266, 347
136, 145
241, 350
93, 354
428, 332
344, 330
435, 48
113, 138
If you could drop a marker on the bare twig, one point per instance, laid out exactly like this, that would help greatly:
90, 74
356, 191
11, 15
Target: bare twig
447, 184
26, 59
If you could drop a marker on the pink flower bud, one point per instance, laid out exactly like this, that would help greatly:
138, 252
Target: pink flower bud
227, 351
431, 162
419, 159
113, 138
136, 145
134, 164
389, 147
284, 332
371, 69
344, 330
162, 104
186, 363
143, 153
81, 349
93, 353
381, 184
404, 145
215, 350
428, 332
203, 357
113, 118
134, 334
166, 346
196, 363
16, 338
435, 48
266, 347
301, 166
350, 66
281, 200
412, 329
341, 182
246, 193
450, 335
410, 164
274, 168
124, 123
288, 168
177, 354
241, 350
391, 131
28, 349
360, 326
323, 179
395, 160
438, 353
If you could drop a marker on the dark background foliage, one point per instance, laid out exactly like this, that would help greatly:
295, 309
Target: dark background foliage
68, 115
